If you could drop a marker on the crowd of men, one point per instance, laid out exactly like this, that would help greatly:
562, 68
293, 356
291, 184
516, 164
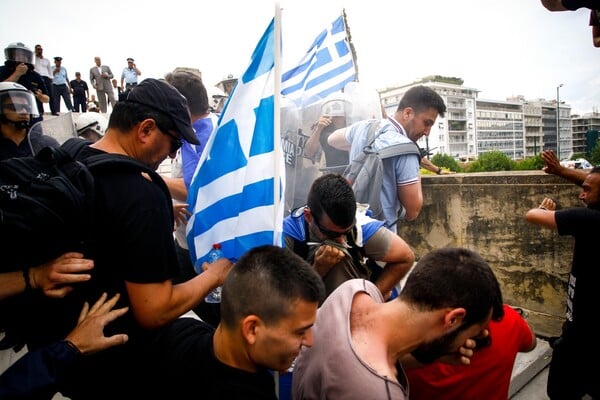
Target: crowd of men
326, 308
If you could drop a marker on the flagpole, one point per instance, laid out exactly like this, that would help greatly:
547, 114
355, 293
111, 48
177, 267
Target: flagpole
277, 114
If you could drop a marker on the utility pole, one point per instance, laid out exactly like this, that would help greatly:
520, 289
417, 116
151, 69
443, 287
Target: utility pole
558, 121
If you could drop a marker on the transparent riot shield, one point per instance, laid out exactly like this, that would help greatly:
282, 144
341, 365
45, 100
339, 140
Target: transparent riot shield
307, 153
291, 143
60, 127
365, 101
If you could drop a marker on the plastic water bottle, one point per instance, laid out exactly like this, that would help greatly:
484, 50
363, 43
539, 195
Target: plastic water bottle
213, 255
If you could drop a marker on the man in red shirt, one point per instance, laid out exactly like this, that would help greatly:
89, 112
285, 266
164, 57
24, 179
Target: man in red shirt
488, 374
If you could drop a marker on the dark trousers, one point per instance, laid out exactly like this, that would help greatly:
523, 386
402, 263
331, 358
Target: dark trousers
79, 103
570, 376
48, 83
59, 91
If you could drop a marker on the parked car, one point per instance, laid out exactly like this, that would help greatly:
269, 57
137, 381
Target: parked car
580, 163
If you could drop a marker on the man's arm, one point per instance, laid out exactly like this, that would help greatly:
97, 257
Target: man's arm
543, 215
338, 140
399, 260
155, 304
177, 188
19, 71
595, 24
554, 5
411, 198
313, 144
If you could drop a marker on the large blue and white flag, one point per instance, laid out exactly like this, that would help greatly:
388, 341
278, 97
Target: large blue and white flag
236, 195
326, 68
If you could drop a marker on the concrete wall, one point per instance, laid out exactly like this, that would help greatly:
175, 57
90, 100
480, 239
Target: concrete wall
485, 212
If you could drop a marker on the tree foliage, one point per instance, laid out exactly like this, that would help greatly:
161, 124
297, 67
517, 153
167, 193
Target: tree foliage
491, 161
530, 163
595, 154
446, 161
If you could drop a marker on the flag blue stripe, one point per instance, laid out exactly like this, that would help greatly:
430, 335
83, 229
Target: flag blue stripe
257, 194
263, 58
329, 75
264, 131
241, 244
338, 25
226, 137
328, 59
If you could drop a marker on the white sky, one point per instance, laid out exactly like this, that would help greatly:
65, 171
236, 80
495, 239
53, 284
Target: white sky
500, 47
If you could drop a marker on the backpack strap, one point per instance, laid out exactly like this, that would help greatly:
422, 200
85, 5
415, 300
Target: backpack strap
389, 151
400, 149
74, 145
371, 136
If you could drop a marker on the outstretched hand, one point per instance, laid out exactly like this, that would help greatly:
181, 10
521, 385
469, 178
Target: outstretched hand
88, 335
552, 163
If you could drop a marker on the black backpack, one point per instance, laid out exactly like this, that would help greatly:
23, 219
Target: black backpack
365, 172
46, 209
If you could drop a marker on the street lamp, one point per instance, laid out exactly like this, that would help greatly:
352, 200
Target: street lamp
558, 121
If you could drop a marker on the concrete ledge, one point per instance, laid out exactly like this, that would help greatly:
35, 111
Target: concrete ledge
528, 365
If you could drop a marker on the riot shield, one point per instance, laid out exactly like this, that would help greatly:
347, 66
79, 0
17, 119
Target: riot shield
306, 160
60, 127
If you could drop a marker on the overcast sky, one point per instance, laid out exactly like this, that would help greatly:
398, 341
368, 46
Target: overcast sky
499, 47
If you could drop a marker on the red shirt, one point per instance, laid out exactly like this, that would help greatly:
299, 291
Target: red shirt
488, 375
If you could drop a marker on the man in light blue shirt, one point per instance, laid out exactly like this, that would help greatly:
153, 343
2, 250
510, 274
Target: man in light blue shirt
401, 195
60, 87
129, 76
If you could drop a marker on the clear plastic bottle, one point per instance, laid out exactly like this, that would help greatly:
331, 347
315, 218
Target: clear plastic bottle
213, 255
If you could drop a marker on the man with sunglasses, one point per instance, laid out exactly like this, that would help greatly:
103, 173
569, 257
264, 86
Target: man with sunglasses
17, 109
341, 242
132, 241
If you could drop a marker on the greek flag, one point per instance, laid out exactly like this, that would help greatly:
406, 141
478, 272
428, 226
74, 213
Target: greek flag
236, 194
326, 68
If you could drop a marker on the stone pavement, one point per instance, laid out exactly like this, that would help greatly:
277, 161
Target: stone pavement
528, 381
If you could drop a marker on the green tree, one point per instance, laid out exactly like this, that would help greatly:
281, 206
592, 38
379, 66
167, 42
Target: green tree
595, 154
492, 161
446, 161
530, 164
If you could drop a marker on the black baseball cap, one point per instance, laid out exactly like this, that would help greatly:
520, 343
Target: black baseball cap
163, 97
57, 58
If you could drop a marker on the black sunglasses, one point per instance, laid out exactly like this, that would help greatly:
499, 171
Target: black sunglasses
332, 234
176, 142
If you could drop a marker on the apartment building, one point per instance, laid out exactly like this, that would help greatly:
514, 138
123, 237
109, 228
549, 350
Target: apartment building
516, 126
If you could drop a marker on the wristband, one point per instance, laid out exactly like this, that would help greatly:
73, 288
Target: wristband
26, 278
72, 347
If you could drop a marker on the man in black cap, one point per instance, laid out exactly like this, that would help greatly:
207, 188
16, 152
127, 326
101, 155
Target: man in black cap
129, 77
133, 247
